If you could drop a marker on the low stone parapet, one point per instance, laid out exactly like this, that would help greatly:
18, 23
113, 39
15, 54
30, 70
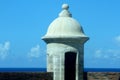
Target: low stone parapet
26, 76
103, 75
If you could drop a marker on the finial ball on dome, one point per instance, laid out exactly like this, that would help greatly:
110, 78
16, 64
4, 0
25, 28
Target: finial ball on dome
65, 6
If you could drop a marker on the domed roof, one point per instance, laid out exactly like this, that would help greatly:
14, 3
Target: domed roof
64, 26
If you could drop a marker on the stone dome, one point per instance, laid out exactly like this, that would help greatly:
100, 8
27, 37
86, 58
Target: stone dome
64, 26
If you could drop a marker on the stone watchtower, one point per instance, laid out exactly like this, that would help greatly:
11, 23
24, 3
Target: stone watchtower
65, 47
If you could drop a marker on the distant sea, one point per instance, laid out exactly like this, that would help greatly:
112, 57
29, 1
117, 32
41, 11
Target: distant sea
44, 69
101, 69
23, 69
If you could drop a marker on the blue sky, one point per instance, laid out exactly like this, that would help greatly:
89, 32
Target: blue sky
24, 22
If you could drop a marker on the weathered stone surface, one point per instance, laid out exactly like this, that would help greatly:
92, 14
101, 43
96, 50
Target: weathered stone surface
103, 76
65, 40
26, 76
49, 76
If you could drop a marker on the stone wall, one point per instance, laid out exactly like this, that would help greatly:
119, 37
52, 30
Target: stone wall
49, 76
103, 76
26, 76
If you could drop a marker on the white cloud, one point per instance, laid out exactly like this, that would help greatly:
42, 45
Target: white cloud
34, 52
4, 50
98, 53
117, 40
107, 54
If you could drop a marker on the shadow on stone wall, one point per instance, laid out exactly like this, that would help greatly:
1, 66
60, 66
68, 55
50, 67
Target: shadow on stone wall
49, 76
26, 76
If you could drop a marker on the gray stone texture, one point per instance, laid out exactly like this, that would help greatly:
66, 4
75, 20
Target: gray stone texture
103, 76
26, 76
65, 35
